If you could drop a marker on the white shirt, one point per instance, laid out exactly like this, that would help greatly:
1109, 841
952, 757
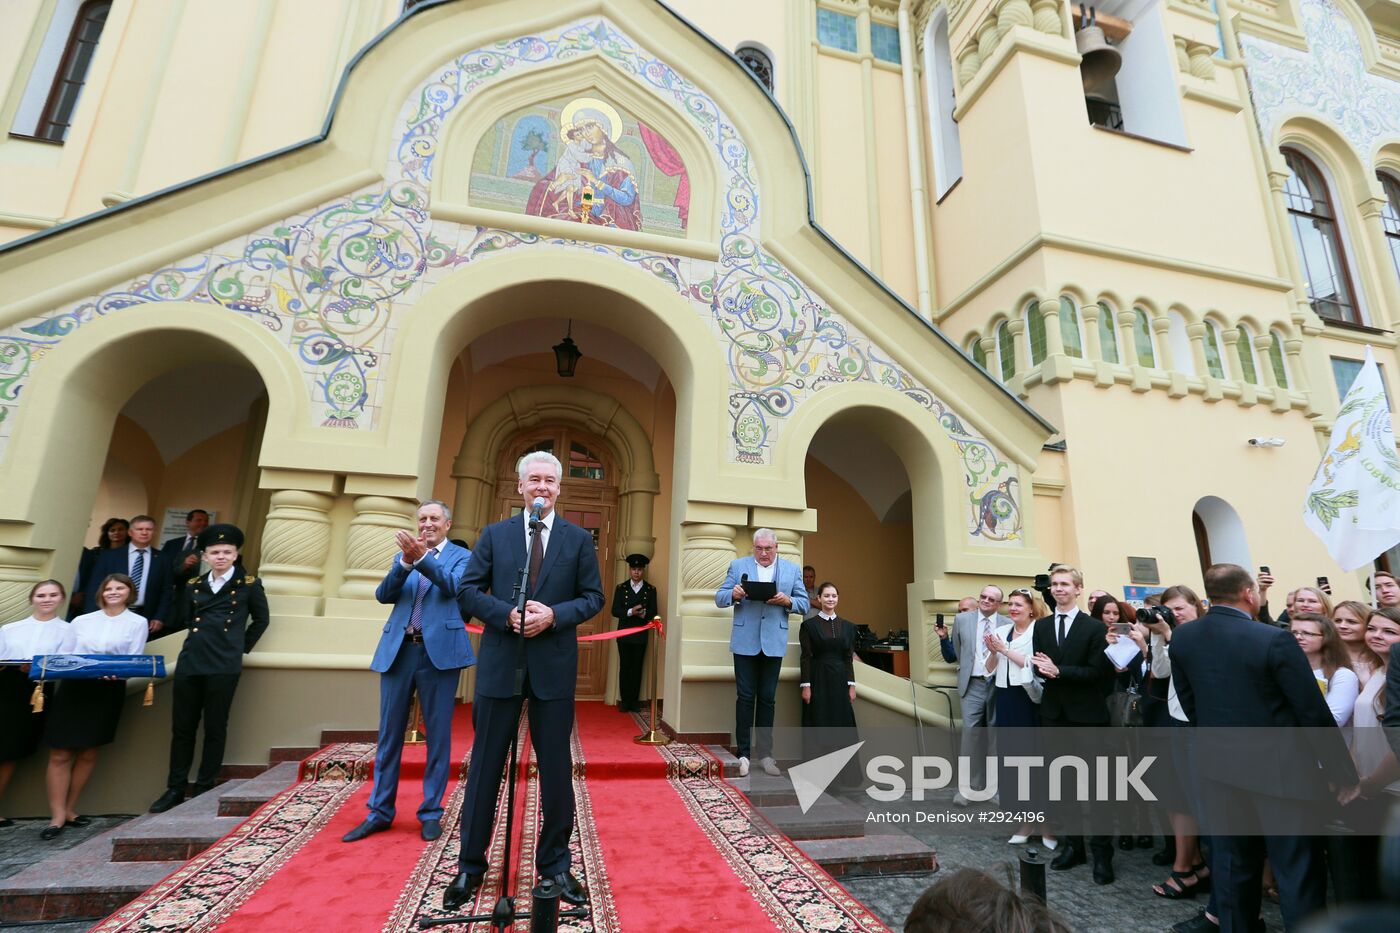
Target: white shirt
1007, 673
984, 624
1070, 615
1341, 693
765, 574
217, 583
548, 521
131, 550
22, 640
636, 587
1162, 670
99, 633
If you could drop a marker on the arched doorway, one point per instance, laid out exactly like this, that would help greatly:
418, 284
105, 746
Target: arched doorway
587, 498
1219, 533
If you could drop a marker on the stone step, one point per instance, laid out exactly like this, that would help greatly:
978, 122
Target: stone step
78, 882
877, 854
254, 792
764, 790
828, 818
180, 833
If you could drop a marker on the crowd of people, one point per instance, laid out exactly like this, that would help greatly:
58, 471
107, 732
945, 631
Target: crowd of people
127, 593
1225, 662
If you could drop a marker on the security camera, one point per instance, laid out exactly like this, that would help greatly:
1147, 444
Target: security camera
1266, 442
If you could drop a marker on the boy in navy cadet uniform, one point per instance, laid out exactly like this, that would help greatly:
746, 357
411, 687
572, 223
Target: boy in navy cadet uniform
634, 604
226, 613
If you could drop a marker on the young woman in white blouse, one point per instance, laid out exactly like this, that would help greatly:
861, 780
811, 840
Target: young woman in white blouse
43, 632
1331, 664
86, 712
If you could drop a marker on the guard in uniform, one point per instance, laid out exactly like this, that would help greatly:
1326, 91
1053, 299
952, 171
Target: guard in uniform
225, 612
634, 603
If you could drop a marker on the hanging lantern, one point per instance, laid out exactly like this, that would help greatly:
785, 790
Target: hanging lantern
566, 354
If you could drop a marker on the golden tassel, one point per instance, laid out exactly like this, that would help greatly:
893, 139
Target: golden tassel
36, 702
150, 699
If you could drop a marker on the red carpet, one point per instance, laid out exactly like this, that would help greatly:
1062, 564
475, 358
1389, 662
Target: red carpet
661, 842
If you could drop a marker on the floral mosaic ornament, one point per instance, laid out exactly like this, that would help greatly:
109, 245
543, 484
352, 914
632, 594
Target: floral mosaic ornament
1330, 79
328, 284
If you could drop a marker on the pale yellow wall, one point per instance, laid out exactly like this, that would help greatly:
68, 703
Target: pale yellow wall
871, 563
205, 476
892, 170
842, 199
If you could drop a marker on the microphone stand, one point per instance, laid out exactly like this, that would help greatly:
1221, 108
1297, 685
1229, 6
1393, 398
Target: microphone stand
545, 916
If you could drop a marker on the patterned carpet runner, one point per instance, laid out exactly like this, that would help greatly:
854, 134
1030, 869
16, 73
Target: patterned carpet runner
661, 842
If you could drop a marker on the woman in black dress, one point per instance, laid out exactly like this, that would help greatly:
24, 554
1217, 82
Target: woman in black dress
86, 712
42, 632
115, 533
828, 681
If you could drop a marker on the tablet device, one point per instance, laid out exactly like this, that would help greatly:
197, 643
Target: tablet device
756, 591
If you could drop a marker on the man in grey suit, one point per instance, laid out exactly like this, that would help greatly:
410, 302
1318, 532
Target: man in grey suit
966, 645
759, 639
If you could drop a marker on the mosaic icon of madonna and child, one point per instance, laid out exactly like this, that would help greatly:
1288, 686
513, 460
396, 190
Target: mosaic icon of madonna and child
582, 160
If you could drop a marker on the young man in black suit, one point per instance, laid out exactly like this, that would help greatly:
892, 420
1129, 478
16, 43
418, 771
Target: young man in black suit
565, 590
1233, 673
1069, 653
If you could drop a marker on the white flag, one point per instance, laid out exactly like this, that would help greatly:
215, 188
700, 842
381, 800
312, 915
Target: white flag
1353, 504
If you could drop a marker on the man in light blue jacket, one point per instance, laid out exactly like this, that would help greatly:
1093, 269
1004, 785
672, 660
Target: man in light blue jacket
759, 639
423, 648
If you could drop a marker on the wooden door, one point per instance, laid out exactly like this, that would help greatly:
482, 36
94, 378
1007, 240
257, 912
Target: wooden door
587, 498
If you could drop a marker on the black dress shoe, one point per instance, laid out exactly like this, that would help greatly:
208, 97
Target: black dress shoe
78, 821
50, 832
432, 829
1196, 924
569, 888
1070, 856
367, 828
1125, 842
460, 890
1103, 871
171, 798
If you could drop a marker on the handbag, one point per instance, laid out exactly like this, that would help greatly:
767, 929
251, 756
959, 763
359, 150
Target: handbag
1125, 707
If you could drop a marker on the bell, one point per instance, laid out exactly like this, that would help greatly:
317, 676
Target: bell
1101, 61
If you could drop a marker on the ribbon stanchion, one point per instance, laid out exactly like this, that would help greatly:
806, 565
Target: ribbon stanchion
653, 735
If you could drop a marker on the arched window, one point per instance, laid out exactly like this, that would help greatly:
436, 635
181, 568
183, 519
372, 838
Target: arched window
1215, 363
1319, 240
938, 71
1035, 332
1180, 342
1244, 348
72, 71
1108, 334
1276, 359
1006, 352
1069, 329
1142, 339
1390, 217
757, 61
974, 350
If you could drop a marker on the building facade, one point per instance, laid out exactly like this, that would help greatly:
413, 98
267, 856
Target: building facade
910, 283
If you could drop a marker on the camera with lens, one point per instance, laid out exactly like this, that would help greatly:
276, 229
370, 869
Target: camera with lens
1042, 586
1149, 615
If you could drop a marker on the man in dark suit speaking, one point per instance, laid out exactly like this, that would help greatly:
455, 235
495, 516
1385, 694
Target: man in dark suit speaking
565, 590
1233, 673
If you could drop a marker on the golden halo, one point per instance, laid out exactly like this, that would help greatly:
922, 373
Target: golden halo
566, 119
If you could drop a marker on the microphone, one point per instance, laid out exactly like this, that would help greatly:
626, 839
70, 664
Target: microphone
536, 508
743, 578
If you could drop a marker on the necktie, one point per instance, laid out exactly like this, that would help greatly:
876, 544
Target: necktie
1060, 620
536, 558
415, 618
138, 570
189, 543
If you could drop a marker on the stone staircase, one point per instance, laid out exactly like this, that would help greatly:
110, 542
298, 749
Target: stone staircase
101, 874
834, 832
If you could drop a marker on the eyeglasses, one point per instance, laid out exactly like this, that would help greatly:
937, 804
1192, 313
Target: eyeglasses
765, 547
1021, 592
989, 599
1307, 634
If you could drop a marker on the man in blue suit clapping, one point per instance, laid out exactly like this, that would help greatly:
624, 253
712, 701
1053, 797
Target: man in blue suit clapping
759, 639
424, 645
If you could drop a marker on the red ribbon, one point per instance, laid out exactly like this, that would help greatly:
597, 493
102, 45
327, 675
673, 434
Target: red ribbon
599, 636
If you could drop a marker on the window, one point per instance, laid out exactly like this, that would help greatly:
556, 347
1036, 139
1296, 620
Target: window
1035, 330
1144, 97
72, 71
938, 68
1319, 240
1142, 339
836, 30
1006, 351
1183, 360
1244, 348
1390, 217
1276, 359
1215, 363
584, 463
979, 356
1108, 334
1069, 329
884, 42
757, 61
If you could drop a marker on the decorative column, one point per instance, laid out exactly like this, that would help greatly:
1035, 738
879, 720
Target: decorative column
1049, 309
1046, 17
296, 539
635, 498
1014, 13
475, 480
20, 569
1248, 393
992, 355
370, 546
1161, 343
1197, 333
1127, 337
1017, 383
1093, 347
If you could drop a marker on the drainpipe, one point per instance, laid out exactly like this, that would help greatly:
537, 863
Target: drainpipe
923, 260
